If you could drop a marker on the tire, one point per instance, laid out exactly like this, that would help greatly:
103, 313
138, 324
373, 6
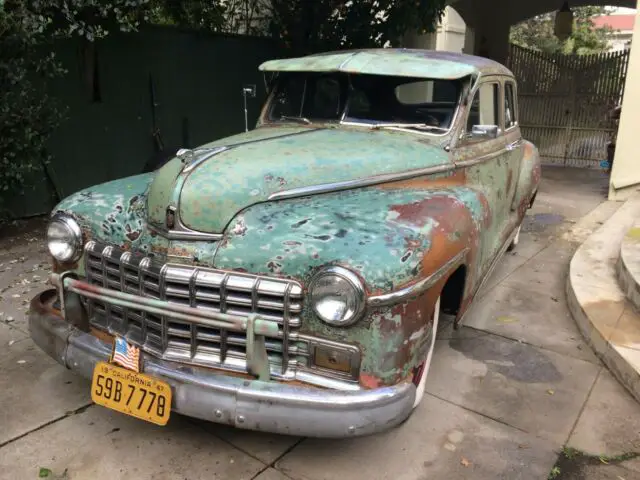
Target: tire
515, 240
427, 363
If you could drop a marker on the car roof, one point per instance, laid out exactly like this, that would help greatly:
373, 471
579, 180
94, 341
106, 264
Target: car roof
399, 62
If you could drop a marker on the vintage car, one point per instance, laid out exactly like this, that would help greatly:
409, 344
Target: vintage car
290, 279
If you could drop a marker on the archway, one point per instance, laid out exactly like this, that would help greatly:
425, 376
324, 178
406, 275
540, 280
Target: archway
489, 21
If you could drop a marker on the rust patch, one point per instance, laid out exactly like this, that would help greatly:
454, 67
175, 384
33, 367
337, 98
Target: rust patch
458, 177
369, 381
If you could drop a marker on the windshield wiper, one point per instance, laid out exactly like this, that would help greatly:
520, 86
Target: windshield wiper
417, 126
304, 120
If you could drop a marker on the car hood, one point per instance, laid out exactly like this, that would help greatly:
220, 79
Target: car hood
268, 160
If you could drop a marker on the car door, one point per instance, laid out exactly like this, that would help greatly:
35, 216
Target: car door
482, 152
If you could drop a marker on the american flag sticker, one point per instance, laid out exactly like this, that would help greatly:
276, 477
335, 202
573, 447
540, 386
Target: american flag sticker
125, 355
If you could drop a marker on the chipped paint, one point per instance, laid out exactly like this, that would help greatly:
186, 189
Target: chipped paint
389, 61
249, 173
392, 234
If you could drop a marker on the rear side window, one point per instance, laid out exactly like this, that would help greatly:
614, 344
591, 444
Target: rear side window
510, 106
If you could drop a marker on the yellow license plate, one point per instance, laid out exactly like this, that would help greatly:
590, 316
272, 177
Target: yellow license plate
135, 394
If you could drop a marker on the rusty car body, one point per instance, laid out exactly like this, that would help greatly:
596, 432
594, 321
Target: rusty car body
290, 279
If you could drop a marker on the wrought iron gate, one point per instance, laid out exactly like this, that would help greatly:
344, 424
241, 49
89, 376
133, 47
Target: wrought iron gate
565, 102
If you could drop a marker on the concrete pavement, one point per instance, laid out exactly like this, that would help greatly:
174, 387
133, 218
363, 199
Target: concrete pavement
505, 394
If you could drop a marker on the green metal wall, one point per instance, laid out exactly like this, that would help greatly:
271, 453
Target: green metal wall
197, 76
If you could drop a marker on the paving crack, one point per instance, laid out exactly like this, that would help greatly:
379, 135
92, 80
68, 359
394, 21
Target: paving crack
277, 459
489, 417
67, 414
584, 405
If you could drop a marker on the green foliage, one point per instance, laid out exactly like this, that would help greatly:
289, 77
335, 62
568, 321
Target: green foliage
91, 19
537, 33
322, 25
27, 114
306, 26
554, 473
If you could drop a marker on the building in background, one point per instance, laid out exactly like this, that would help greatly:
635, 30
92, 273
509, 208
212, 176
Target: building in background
450, 35
622, 23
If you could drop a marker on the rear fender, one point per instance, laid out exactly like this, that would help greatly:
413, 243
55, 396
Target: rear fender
529, 179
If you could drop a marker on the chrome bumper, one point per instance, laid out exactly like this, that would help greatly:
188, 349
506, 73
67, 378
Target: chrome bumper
250, 404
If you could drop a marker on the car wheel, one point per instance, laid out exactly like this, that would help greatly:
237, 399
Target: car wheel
514, 240
427, 362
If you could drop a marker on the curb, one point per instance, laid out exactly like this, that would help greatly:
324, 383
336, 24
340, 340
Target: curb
608, 322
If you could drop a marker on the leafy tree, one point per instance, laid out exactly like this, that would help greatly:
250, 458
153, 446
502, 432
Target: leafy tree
537, 33
308, 27
28, 115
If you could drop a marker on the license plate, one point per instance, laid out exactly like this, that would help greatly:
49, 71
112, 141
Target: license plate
132, 393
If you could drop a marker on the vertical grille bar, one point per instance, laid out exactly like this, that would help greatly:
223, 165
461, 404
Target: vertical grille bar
124, 258
89, 274
162, 283
223, 309
106, 252
285, 330
192, 303
144, 264
254, 295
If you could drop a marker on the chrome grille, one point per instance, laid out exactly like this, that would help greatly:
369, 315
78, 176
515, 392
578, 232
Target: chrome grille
203, 288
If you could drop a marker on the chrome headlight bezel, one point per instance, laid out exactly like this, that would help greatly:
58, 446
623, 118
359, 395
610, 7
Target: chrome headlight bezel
358, 291
74, 233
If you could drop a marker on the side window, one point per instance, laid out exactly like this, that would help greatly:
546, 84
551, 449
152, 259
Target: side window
510, 109
484, 108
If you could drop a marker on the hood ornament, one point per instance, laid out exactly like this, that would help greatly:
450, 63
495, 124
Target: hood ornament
192, 158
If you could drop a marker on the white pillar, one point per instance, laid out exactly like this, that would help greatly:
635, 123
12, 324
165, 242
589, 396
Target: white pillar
451, 32
625, 176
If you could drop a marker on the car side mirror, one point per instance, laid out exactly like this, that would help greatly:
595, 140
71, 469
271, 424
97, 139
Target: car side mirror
247, 91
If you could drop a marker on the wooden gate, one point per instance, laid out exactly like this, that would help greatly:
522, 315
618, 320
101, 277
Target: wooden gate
565, 102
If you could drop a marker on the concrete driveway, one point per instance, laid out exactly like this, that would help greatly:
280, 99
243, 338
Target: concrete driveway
505, 393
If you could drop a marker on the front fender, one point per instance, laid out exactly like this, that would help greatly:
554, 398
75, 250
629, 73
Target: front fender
391, 237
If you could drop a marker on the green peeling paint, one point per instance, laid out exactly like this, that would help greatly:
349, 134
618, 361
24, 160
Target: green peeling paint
390, 235
247, 174
396, 62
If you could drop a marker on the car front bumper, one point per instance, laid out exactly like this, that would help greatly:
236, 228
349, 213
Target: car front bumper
244, 403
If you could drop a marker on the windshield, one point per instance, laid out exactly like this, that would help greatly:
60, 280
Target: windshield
374, 100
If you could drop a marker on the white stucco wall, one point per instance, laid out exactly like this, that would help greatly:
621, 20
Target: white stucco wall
625, 176
451, 32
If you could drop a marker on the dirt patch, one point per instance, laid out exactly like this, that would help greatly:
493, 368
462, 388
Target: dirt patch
22, 238
575, 465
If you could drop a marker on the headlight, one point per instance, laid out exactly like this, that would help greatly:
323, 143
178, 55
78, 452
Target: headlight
64, 238
337, 296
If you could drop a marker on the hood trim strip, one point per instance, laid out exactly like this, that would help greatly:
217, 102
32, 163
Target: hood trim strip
358, 183
183, 232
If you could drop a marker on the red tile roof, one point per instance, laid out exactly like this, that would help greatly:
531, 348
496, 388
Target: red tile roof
617, 22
